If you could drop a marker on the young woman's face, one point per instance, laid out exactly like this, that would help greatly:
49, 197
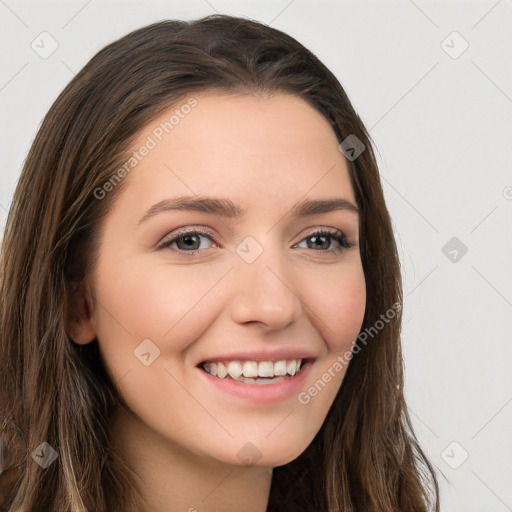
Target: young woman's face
176, 286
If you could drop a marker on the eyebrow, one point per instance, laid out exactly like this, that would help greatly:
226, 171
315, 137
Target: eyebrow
224, 207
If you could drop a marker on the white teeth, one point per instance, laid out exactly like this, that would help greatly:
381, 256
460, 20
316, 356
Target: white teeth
221, 370
235, 369
280, 368
291, 366
266, 369
250, 369
262, 372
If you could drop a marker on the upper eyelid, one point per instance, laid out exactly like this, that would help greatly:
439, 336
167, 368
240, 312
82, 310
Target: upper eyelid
171, 237
186, 230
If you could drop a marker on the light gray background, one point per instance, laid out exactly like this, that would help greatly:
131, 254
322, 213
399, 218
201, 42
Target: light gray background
443, 130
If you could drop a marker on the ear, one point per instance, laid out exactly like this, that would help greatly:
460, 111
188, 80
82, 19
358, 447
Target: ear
80, 319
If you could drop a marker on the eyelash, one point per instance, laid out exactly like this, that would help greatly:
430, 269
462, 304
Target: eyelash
333, 234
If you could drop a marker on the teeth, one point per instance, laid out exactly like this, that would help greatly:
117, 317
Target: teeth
250, 369
235, 369
280, 368
266, 369
254, 371
221, 370
291, 366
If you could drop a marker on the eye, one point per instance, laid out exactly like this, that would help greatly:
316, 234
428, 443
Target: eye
322, 238
189, 241
186, 240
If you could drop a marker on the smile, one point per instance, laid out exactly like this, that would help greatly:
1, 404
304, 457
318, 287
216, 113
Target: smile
254, 372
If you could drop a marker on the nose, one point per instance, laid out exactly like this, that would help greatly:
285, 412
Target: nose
265, 292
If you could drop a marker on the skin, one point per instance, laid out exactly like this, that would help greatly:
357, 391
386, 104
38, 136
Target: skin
181, 435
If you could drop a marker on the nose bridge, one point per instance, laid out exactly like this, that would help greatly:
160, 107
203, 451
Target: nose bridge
264, 292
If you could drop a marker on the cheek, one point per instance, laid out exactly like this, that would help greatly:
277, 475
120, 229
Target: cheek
151, 301
338, 309
339, 306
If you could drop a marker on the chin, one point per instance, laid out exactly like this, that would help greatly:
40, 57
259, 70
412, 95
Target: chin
264, 454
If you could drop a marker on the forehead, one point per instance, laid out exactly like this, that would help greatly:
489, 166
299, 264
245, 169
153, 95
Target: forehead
215, 121
220, 144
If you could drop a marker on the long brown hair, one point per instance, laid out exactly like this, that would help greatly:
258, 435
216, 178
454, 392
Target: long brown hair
364, 458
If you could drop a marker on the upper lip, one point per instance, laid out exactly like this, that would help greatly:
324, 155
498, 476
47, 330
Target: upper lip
284, 353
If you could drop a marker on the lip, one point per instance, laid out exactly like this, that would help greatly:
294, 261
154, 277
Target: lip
261, 393
286, 353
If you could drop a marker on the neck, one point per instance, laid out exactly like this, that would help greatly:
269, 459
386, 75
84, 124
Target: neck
174, 479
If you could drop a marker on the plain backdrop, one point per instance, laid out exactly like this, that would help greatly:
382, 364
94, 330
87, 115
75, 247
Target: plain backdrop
432, 81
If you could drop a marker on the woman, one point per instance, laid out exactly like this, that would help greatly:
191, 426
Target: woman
259, 372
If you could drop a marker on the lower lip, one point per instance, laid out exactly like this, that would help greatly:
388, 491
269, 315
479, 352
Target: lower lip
262, 393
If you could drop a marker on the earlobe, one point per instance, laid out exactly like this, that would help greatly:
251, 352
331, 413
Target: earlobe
80, 319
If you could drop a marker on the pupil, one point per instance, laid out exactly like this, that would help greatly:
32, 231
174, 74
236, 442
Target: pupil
316, 238
189, 240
